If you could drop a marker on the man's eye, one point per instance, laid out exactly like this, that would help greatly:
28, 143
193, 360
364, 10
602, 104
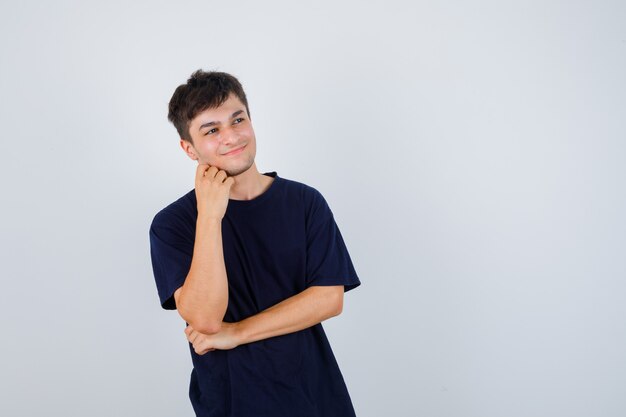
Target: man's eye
237, 121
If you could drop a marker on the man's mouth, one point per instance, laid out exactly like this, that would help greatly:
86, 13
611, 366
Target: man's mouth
235, 151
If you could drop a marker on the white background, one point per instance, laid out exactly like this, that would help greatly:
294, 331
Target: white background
472, 153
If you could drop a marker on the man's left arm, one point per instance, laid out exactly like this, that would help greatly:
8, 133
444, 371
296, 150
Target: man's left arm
305, 309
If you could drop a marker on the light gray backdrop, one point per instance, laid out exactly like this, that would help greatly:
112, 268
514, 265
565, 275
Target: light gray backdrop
472, 152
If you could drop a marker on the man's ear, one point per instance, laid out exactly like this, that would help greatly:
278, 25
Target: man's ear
188, 148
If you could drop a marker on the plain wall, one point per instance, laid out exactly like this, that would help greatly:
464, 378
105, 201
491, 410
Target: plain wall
472, 153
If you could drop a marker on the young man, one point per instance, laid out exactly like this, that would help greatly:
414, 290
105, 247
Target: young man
253, 263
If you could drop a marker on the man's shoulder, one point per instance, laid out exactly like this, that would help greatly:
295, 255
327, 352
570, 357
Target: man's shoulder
305, 196
182, 209
302, 189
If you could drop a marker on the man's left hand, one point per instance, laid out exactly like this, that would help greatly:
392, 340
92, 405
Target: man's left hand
202, 343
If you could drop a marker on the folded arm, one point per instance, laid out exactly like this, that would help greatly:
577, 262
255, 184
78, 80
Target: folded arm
305, 309
203, 298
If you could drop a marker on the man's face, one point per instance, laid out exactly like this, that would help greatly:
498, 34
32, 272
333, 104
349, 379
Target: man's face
223, 137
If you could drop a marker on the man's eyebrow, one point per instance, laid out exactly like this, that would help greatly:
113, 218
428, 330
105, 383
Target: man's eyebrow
217, 123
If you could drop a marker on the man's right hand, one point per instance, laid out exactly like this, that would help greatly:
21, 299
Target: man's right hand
212, 191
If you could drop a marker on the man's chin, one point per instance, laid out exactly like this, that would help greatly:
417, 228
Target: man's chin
237, 171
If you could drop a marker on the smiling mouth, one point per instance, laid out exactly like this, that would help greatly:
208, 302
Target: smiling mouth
235, 151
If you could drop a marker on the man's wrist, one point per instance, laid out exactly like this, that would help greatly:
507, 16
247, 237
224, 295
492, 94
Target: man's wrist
207, 219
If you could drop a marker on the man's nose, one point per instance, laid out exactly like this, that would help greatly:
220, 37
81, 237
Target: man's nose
228, 136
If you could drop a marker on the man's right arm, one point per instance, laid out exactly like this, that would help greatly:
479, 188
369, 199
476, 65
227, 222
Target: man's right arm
203, 298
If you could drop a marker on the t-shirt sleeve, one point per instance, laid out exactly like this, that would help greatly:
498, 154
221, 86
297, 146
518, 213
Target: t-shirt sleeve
171, 252
328, 261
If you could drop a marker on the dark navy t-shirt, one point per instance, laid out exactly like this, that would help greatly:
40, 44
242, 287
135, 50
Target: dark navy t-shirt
275, 246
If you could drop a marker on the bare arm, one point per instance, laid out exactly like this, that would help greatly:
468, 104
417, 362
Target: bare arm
305, 309
203, 298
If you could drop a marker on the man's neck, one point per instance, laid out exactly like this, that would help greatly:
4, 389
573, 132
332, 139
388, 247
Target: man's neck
249, 184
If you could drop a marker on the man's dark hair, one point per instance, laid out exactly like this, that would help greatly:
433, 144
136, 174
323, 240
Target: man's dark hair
203, 90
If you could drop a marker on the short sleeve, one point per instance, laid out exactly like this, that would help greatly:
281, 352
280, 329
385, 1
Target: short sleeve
327, 259
171, 252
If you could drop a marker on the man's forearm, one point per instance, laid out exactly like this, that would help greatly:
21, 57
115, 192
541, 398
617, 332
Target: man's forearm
204, 295
303, 310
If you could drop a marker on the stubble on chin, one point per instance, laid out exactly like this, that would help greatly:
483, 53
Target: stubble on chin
240, 170
232, 173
